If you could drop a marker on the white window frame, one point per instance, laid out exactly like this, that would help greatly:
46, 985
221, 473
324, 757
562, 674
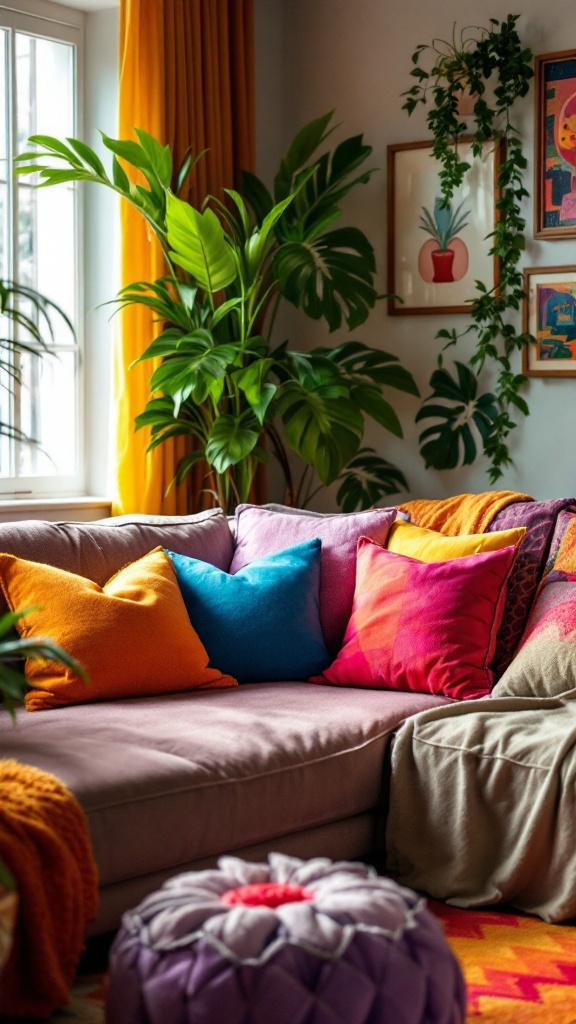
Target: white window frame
50, 20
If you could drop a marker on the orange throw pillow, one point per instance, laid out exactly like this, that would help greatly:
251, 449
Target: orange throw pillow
133, 635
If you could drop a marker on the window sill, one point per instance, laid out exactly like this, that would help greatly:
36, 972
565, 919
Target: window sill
84, 509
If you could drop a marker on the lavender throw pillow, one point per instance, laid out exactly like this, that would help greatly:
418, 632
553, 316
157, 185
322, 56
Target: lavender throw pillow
262, 531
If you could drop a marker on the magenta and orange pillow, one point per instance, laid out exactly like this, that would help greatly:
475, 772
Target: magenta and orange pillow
429, 627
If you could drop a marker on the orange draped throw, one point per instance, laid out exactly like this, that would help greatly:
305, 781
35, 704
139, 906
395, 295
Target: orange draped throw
44, 842
186, 77
462, 513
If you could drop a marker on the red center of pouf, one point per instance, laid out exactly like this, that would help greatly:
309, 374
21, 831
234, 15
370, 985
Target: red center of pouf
266, 894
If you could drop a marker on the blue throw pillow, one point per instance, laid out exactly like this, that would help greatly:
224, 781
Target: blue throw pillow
262, 623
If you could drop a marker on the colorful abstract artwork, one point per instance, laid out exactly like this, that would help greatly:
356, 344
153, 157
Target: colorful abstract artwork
550, 317
555, 186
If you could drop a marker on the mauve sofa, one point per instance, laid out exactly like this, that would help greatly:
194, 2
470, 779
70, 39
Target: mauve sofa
172, 782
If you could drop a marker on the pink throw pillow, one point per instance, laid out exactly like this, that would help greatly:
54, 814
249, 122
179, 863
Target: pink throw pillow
429, 627
262, 531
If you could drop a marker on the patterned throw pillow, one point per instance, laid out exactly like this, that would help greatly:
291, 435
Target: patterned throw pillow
545, 663
539, 517
428, 627
561, 562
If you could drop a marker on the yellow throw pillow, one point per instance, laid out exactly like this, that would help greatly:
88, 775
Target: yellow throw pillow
133, 635
430, 546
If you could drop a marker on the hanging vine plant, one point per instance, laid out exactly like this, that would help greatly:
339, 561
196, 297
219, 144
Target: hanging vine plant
460, 67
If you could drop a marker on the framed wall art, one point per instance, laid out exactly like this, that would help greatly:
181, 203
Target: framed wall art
550, 317
435, 253
555, 163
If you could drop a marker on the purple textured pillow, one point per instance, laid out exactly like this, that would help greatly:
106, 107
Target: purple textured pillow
539, 518
263, 531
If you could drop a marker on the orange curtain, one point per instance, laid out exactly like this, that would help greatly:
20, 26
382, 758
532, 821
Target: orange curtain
186, 77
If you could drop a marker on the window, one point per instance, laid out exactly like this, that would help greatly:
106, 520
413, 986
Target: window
39, 248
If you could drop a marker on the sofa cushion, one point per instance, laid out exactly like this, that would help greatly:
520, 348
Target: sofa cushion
133, 635
97, 550
263, 622
431, 546
545, 663
171, 779
262, 531
423, 626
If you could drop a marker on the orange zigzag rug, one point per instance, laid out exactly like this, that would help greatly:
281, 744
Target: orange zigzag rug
518, 970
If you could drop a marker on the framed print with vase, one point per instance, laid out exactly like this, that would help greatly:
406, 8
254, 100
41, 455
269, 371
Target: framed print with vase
550, 317
436, 253
555, 158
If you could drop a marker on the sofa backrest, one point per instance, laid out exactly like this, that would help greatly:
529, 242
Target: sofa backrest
99, 549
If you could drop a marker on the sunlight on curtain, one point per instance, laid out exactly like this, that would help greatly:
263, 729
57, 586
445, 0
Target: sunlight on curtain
187, 77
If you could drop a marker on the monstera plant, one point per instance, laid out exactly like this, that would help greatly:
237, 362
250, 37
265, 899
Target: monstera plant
219, 376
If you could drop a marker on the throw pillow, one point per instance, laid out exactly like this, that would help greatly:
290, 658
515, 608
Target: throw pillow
431, 546
263, 622
261, 531
133, 635
539, 517
545, 663
429, 627
561, 562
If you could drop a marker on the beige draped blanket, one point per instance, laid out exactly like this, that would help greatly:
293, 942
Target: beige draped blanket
483, 804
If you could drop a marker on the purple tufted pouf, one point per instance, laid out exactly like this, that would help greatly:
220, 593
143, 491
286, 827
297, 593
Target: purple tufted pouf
288, 942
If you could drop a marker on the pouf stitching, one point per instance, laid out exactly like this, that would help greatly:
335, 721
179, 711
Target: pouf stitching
349, 931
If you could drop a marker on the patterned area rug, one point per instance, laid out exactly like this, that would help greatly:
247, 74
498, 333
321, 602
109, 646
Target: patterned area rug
518, 970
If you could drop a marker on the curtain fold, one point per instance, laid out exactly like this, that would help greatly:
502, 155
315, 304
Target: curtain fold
186, 77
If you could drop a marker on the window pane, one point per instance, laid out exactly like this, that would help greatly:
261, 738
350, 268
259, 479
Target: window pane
55, 253
3, 132
4, 232
46, 405
49, 414
44, 80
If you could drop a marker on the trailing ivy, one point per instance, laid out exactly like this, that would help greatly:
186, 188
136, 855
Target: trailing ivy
467, 63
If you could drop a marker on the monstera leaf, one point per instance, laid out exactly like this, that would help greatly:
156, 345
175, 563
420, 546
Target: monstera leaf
367, 479
330, 277
456, 407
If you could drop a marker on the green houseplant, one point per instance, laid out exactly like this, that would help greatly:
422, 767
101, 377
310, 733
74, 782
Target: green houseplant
495, 68
222, 379
30, 316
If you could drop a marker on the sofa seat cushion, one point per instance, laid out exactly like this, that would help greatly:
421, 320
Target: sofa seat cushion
172, 779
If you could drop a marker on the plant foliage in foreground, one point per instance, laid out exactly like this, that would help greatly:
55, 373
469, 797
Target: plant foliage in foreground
13, 682
217, 377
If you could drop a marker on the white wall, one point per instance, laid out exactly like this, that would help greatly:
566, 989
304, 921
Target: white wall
315, 55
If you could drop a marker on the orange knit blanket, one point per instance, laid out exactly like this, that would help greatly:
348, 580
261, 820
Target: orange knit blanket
462, 513
44, 842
